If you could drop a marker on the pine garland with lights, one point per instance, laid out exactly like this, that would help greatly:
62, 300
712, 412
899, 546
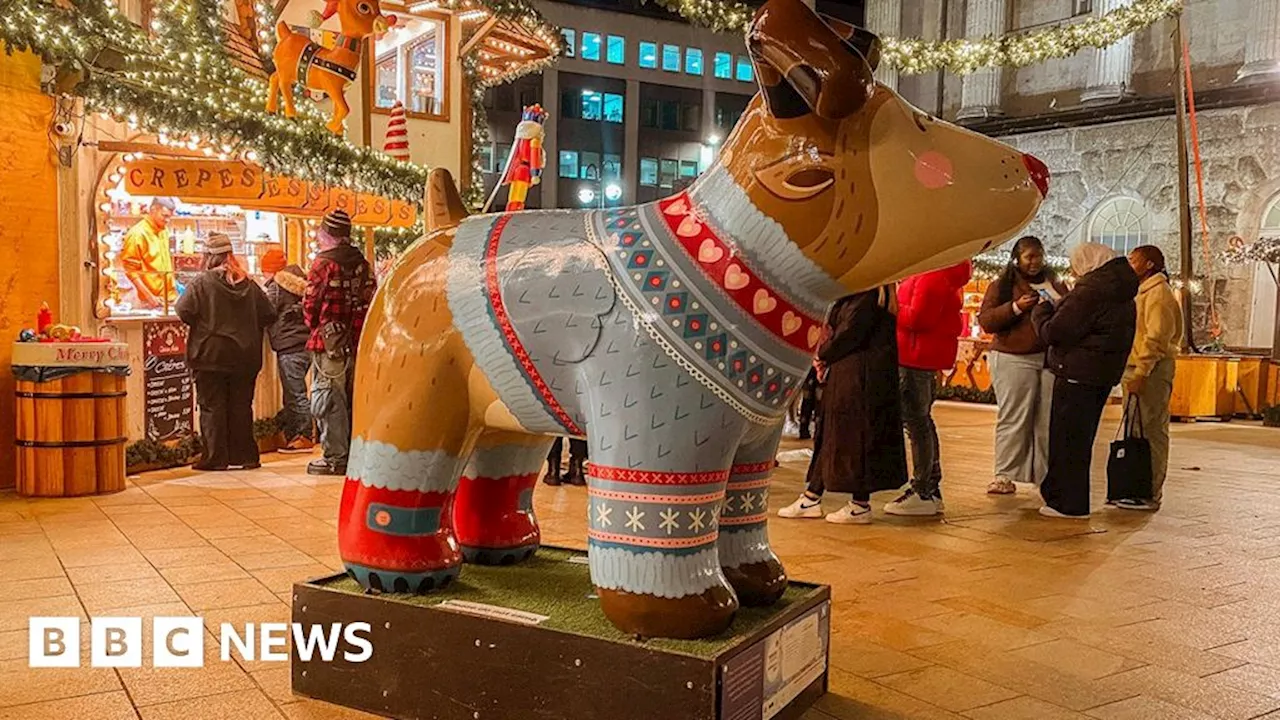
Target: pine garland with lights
182, 87
913, 56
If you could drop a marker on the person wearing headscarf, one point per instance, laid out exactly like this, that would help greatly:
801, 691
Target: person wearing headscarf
1089, 334
857, 446
286, 284
227, 314
1149, 375
1022, 384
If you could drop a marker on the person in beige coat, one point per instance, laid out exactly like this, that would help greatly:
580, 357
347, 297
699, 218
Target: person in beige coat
1149, 374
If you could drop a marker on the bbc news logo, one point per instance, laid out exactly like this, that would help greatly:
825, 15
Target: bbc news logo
178, 642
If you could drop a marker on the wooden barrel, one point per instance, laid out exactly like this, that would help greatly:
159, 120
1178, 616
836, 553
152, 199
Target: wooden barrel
71, 435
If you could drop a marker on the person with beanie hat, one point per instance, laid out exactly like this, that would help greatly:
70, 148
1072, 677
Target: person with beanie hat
340, 288
286, 284
227, 313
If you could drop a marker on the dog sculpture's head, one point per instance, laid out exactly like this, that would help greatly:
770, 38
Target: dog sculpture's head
869, 187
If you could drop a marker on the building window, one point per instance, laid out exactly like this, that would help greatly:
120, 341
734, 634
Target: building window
1121, 223
612, 167
648, 55
745, 73
671, 58
693, 61
501, 154
667, 173
670, 115
486, 158
1082, 7
410, 67
691, 117
688, 169
616, 50
571, 104
648, 172
649, 111
726, 118
591, 105
590, 46
1271, 221
568, 164
570, 37
613, 108
724, 66
529, 96
589, 166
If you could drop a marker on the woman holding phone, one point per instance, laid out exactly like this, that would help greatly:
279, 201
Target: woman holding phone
1023, 386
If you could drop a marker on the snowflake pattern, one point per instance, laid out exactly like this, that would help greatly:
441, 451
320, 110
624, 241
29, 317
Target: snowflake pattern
698, 519
603, 511
747, 502
634, 517
669, 520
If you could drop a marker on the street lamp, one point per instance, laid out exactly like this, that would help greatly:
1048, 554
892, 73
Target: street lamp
613, 191
586, 195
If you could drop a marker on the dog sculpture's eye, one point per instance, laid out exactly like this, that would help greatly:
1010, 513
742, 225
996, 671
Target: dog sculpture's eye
813, 179
798, 177
364, 8
921, 120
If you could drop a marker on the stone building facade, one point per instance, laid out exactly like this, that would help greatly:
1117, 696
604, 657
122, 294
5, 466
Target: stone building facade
1105, 123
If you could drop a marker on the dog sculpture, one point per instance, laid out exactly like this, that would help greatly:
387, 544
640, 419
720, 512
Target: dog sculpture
671, 335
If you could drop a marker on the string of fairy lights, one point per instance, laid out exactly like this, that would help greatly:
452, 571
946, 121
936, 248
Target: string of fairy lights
179, 83
912, 56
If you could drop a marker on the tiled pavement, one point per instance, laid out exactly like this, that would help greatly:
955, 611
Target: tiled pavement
994, 614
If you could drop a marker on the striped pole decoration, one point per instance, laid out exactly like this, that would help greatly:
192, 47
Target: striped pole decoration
397, 145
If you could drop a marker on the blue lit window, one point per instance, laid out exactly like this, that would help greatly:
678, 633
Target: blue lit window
724, 65
671, 58
648, 55
613, 108
590, 46
693, 61
591, 102
616, 50
745, 73
649, 172
570, 37
568, 163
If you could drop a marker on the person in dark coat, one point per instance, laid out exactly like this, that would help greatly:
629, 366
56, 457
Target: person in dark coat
227, 314
576, 474
1089, 334
288, 335
858, 443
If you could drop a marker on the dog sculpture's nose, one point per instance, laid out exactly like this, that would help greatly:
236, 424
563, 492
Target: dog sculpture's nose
1039, 173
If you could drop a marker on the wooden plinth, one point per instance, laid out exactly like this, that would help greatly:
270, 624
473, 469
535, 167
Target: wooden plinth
432, 662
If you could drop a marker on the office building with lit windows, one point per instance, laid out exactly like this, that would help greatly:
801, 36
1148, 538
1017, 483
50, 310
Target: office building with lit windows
638, 104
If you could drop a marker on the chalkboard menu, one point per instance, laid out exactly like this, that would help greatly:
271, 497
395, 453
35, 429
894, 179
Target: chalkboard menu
169, 403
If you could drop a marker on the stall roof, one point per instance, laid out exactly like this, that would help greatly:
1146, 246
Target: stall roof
505, 46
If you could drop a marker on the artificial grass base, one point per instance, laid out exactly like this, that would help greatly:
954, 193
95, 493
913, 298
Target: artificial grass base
554, 584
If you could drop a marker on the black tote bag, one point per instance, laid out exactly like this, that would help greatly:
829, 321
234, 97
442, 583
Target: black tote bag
1129, 465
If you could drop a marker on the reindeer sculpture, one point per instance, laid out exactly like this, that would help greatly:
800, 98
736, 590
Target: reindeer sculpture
298, 60
671, 335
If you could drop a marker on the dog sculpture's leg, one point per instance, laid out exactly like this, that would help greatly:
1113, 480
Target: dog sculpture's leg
748, 561
493, 511
412, 435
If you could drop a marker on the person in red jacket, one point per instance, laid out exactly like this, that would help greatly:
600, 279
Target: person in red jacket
929, 329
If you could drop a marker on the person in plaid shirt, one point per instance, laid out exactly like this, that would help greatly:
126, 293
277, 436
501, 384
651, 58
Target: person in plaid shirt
339, 289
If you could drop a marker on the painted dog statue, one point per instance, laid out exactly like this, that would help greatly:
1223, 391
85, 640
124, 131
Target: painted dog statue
670, 335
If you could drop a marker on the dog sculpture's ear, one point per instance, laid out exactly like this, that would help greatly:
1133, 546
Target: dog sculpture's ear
805, 65
859, 40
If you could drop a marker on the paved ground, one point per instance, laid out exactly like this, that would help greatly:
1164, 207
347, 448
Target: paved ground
992, 614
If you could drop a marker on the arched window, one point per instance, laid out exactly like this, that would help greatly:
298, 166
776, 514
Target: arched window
1271, 219
1121, 223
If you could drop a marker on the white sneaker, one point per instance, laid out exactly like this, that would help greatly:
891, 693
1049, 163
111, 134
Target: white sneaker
912, 505
851, 514
803, 507
1140, 505
1051, 513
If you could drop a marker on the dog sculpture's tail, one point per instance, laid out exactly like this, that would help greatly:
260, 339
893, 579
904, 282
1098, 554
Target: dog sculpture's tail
444, 207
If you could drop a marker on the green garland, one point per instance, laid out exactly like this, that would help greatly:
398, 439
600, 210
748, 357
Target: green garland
183, 86
914, 56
